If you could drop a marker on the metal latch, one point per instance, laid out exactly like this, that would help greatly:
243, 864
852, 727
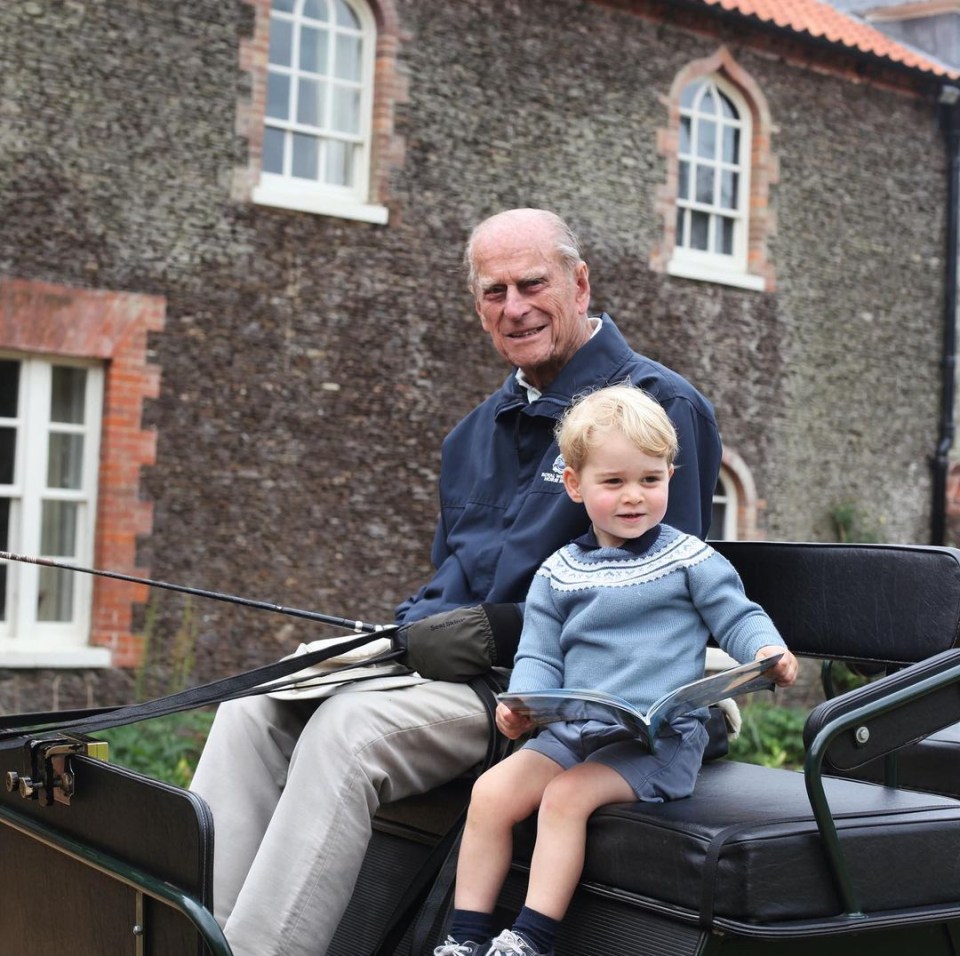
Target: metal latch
47, 774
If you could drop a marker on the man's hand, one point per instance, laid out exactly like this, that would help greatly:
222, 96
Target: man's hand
510, 723
460, 644
784, 672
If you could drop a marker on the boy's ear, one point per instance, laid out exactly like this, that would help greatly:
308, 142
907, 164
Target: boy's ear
571, 481
670, 471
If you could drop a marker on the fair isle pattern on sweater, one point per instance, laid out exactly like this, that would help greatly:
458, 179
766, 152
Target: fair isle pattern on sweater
573, 569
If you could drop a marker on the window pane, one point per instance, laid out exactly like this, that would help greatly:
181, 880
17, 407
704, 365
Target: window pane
718, 520
339, 163
727, 107
684, 135
281, 42
731, 144
729, 181
273, 150
683, 186
346, 17
68, 389
284, 6
346, 110
58, 539
707, 139
316, 10
306, 157
699, 230
313, 50
723, 240
708, 103
8, 449
689, 94
65, 461
58, 531
348, 58
9, 387
681, 227
5, 546
310, 102
55, 595
278, 96
705, 184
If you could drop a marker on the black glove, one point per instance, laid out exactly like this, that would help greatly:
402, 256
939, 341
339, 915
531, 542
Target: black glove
460, 644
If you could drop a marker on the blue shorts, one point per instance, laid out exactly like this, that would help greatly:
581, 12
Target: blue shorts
668, 774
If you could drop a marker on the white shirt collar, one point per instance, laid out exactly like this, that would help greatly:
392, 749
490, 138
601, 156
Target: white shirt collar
534, 393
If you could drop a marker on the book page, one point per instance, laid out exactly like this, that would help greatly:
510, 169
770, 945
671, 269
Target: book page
565, 704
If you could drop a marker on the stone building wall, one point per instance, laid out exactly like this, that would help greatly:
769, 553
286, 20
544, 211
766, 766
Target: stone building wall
309, 366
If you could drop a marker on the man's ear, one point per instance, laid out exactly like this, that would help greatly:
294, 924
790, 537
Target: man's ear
483, 321
571, 481
582, 280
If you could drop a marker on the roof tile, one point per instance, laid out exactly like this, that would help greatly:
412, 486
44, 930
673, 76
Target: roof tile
820, 19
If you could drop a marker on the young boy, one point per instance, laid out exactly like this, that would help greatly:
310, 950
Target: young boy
626, 609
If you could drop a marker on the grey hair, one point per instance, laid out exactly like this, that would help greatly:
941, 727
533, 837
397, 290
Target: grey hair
567, 244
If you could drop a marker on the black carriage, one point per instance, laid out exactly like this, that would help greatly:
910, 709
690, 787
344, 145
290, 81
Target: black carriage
858, 854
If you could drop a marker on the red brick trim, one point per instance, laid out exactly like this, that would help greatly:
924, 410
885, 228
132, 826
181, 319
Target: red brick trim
390, 89
764, 168
38, 317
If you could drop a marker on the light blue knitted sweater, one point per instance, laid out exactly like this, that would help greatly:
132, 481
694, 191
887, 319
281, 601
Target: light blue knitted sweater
634, 621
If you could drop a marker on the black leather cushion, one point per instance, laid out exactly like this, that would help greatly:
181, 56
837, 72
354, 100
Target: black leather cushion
745, 846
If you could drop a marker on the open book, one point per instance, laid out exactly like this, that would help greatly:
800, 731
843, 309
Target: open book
548, 706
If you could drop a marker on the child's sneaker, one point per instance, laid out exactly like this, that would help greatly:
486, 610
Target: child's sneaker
452, 948
511, 944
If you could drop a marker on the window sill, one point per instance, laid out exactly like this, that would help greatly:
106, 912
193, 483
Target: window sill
705, 273
303, 200
14, 655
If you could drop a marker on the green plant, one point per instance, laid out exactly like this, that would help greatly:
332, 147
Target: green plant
851, 523
771, 736
166, 748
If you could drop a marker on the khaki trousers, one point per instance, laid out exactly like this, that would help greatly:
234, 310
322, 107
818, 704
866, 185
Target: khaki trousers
293, 787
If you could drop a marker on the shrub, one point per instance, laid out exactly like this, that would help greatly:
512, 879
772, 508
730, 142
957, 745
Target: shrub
165, 748
770, 736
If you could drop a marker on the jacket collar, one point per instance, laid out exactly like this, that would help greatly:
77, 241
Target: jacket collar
594, 364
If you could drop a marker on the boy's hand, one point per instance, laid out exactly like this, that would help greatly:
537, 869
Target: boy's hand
784, 672
510, 723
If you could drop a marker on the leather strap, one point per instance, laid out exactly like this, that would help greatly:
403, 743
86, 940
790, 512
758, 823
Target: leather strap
14, 727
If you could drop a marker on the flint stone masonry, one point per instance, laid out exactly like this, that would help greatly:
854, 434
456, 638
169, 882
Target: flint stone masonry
309, 366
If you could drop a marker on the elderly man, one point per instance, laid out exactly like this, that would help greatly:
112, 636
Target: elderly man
293, 785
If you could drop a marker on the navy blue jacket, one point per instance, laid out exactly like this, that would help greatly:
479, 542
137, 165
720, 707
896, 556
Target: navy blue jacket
503, 507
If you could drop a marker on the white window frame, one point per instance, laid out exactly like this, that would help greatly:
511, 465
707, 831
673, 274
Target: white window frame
26, 641
346, 202
708, 265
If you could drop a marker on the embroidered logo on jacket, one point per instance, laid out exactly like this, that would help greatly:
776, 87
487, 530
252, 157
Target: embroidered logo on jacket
556, 474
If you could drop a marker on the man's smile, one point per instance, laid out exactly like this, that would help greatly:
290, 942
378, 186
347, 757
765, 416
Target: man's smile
526, 333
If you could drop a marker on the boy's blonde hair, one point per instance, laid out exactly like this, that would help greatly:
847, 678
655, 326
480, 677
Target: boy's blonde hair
625, 408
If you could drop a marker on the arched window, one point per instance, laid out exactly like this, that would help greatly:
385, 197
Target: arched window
715, 202
314, 148
723, 523
714, 175
734, 518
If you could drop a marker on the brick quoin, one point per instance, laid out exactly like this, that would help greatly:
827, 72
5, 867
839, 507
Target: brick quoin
38, 317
